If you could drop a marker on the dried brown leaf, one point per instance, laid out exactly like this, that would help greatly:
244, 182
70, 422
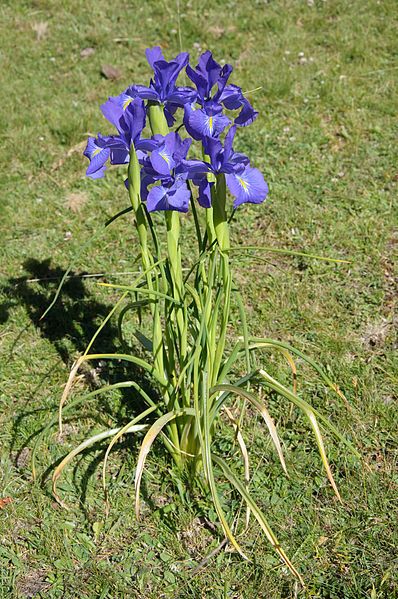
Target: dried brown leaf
86, 52
110, 72
76, 200
40, 29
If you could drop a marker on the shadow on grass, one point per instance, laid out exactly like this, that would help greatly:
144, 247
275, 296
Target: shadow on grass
74, 318
69, 327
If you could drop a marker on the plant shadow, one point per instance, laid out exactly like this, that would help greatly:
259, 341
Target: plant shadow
69, 327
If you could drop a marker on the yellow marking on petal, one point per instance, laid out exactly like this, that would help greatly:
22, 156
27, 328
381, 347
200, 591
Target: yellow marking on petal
244, 183
165, 157
211, 124
96, 151
126, 103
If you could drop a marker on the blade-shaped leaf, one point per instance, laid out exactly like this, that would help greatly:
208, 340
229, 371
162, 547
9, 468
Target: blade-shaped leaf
263, 411
119, 434
257, 343
245, 455
146, 445
310, 413
258, 514
144, 290
207, 463
274, 250
82, 447
77, 401
126, 357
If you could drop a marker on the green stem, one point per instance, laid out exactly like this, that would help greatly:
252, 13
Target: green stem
147, 259
222, 233
158, 124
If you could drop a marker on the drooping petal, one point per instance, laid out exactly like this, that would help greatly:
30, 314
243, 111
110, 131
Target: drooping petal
248, 186
162, 161
247, 115
188, 110
233, 99
175, 197
163, 158
112, 112
203, 124
98, 156
204, 187
115, 106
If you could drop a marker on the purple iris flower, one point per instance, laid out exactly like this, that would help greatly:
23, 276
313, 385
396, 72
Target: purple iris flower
98, 152
129, 123
162, 88
167, 168
244, 182
209, 120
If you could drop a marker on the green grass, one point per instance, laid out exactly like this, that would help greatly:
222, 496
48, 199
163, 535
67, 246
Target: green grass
326, 143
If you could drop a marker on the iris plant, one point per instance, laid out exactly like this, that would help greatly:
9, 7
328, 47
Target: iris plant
189, 314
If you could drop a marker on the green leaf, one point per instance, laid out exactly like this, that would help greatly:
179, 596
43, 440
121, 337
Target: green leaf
261, 408
258, 514
87, 443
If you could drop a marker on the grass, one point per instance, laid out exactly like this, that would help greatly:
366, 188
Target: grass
325, 141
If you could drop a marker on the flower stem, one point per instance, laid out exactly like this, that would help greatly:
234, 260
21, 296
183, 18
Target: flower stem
147, 259
222, 233
159, 125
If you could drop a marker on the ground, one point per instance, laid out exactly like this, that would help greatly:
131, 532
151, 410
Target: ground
326, 143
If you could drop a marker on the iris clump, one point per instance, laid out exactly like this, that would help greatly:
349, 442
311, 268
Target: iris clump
189, 358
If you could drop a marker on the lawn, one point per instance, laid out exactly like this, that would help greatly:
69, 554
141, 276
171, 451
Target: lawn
325, 140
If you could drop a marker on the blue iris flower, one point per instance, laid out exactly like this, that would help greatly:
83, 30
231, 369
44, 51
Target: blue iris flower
164, 165
244, 182
98, 152
167, 169
208, 120
162, 88
129, 122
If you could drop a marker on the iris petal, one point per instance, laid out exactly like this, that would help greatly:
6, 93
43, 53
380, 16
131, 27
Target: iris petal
175, 197
97, 156
209, 125
248, 186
